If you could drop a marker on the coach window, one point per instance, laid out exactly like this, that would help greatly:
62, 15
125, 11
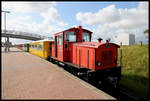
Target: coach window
60, 39
85, 36
70, 36
32, 46
35, 46
40, 47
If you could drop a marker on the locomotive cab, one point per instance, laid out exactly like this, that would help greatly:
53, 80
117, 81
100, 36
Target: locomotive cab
64, 40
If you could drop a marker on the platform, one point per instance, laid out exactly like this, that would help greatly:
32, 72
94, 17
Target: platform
26, 76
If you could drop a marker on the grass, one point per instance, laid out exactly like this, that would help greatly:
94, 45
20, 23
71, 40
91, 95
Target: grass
135, 71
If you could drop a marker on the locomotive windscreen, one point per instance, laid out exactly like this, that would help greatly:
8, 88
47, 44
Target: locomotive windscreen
85, 37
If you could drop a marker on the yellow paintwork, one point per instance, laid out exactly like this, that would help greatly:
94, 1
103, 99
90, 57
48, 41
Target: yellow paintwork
44, 52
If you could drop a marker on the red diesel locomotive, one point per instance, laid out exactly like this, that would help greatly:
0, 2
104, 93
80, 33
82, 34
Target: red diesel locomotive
95, 60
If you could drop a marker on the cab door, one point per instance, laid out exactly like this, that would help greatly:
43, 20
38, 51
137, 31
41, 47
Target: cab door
69, 38
59, 47
56, 38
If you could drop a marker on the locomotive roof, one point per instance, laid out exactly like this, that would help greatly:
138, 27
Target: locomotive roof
92, 44
72, 29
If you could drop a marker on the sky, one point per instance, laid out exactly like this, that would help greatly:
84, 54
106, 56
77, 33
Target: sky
104, 19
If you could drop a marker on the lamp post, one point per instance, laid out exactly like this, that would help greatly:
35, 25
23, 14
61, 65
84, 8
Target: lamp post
7, 45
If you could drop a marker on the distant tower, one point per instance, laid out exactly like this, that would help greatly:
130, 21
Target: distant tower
125, 39
131, 39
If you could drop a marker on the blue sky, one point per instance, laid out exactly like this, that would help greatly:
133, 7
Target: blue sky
68, 10
103, 18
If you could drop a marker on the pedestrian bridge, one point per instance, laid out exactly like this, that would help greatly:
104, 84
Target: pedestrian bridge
22, 35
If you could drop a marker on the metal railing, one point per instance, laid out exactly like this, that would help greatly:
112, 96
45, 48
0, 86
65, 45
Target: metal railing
23, 33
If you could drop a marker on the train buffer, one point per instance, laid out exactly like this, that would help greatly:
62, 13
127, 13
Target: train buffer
26, 76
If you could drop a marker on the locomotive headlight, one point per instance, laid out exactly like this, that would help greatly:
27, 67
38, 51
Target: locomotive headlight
98, 63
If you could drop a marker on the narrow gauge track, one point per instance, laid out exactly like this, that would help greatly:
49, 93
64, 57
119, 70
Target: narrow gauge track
119, 93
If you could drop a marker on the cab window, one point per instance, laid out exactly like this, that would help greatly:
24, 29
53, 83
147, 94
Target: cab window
85, 36
60, 39
70, 36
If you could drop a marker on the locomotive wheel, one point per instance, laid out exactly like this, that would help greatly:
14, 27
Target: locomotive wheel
66, 67
58, 63
74, 71
50, 59
54, 61
91, 78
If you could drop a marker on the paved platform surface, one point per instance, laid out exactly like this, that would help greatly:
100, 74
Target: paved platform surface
26, 76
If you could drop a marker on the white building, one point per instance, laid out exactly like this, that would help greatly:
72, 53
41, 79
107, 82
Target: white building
125, 39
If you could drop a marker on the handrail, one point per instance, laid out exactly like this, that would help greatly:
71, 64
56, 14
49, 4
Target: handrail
23, 33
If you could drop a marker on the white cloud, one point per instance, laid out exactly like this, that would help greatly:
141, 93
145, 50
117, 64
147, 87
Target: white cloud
119, 18
25, 18
18, 23
50, 20
143, 5
34, 27
108, 14
46, 10
110, 19
27, 7
52, 16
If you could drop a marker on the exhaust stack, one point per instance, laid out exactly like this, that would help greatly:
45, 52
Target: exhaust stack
108, 40
99, 40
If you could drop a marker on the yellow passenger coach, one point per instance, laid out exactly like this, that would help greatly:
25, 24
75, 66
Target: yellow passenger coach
40, 48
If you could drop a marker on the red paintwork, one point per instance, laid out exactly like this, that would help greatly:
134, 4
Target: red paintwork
52, 49
58, 49
68, 52
85, 54
63, 54
107, 56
